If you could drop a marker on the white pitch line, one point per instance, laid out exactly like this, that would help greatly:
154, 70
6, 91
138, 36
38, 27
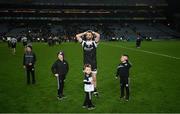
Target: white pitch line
154, 53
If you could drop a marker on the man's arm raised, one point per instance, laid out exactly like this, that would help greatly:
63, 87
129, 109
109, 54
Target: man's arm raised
79, 36
97, 36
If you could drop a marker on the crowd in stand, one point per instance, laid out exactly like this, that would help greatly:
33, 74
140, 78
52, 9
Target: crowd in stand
57, 33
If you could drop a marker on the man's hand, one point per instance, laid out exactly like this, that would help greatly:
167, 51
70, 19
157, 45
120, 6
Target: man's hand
78, 36
30, 64
24, 66
56, 75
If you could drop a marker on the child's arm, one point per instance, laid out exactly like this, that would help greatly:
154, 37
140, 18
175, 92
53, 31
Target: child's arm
117, 72
53, 69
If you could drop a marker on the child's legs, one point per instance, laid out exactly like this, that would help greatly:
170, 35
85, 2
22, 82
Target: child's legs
127, 88
86, 99
127, 92
62, 86
122, 86
59, 85
28, 75
33, 74
122, 89
89, 99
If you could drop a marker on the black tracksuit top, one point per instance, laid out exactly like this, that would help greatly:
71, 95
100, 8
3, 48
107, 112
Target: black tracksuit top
123, 69
60, 67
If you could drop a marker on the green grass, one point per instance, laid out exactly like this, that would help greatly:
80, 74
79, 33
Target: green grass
154, 83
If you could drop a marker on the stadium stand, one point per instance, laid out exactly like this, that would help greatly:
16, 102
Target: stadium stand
117, 19
87, 2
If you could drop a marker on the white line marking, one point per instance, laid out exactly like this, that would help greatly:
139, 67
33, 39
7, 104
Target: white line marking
154, 53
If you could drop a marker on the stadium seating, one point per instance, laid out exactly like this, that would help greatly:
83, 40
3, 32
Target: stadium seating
108, 31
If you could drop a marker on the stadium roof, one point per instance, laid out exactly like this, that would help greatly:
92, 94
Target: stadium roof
87, 2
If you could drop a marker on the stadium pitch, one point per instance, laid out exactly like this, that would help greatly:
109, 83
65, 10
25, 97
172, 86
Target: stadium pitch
154, 79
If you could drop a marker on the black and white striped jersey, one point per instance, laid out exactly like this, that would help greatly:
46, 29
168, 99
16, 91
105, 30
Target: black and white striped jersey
123, 69
88, 86
89, 53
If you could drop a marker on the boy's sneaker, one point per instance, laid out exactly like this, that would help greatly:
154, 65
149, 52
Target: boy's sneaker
96, 94
63, 96
91, 107
60, 98
126, 100
84, 106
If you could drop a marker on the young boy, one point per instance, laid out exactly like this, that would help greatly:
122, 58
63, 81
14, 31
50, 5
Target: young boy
88, 87
60, 69
29, 62
123, 73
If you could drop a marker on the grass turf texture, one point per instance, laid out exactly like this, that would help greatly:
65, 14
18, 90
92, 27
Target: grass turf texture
154, 79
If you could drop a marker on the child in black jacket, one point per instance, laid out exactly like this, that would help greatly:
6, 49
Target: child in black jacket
60, 69
123, 73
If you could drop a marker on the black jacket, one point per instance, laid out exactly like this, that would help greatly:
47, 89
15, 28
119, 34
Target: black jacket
123, 69
29, 57
60, 67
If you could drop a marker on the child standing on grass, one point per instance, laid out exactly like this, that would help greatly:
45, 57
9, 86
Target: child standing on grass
29, 61
60, 69
88, 87
123, 73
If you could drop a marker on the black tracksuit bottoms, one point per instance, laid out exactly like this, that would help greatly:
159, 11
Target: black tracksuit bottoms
30, 71
88, 99
124, 84
60, 81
